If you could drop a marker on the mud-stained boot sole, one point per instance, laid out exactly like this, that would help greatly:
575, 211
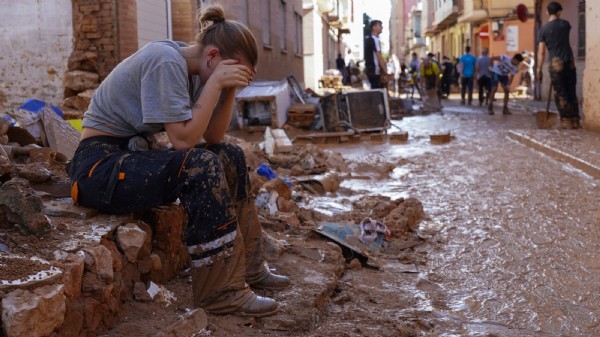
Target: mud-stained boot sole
257, 315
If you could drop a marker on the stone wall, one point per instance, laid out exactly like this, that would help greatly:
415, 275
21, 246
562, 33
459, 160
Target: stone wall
116, 262
36, 42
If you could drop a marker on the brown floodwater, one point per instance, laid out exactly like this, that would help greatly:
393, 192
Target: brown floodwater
512, 234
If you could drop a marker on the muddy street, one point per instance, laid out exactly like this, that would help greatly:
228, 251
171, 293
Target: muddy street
512, 233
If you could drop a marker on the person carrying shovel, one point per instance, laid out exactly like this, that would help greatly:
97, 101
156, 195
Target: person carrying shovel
555, 36
187, 91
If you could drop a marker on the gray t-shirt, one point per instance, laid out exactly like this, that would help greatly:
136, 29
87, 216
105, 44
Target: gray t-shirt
147, 89
483, 66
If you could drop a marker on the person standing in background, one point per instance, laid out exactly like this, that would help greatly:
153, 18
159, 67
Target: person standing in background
448, 69
430, 76
555, 36
414, 70
484, 80
375, 65
340, 64
468, 71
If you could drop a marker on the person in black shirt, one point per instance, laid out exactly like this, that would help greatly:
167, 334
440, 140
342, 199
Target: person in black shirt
448, 70
375, 66
555, 36
340, 64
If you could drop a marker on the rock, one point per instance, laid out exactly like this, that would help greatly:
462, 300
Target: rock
94, 311
273, 248
64, 208
289, 218
354, 264
33, 314
99, 261
72, 274
131, 239
140, 293
5, 164
21, 206
85, 60
34, 172
405, 217
278, 186
189, 324
156, 262
167, 223
75, 102
78, 80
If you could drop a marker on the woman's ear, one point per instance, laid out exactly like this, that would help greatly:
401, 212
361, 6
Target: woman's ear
212, 53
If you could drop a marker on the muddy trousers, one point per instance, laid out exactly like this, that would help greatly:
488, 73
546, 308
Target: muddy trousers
564, 82
209, 180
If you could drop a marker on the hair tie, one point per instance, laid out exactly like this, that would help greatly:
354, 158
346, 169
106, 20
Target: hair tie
217, 20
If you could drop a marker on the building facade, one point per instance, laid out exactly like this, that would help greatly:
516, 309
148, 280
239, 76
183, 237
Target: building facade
60, 56
328, 25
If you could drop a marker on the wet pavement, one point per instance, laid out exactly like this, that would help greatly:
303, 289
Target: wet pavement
512, 230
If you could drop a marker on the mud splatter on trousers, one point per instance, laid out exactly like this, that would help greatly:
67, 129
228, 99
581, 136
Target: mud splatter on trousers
207, 179
564, 81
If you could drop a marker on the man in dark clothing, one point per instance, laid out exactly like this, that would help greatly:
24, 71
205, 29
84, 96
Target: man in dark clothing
375, 66
340, 64
555, 36
484, 78
448, 70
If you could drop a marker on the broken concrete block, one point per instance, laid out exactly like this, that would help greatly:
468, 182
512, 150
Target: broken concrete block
33, 314
276, 141
282, 142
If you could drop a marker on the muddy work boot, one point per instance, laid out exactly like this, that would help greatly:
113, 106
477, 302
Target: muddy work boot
264, 279
219, 286
243, 303
257, 274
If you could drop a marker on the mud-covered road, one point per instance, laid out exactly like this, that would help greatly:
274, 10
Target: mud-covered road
512, 237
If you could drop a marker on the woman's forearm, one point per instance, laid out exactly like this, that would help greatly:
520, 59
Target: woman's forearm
186, 134
221, 117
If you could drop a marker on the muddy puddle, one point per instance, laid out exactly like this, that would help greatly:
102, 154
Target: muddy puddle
512, 234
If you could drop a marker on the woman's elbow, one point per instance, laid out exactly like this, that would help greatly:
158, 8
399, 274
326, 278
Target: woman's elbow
183, 144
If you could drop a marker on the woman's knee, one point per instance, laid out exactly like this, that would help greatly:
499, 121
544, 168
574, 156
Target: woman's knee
202, 162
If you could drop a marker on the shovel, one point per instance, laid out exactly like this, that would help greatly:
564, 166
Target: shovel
544, 118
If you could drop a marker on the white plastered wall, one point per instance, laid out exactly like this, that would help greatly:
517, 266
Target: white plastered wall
36, 39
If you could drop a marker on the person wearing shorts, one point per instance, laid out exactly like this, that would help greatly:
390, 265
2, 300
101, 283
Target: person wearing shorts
502, 73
